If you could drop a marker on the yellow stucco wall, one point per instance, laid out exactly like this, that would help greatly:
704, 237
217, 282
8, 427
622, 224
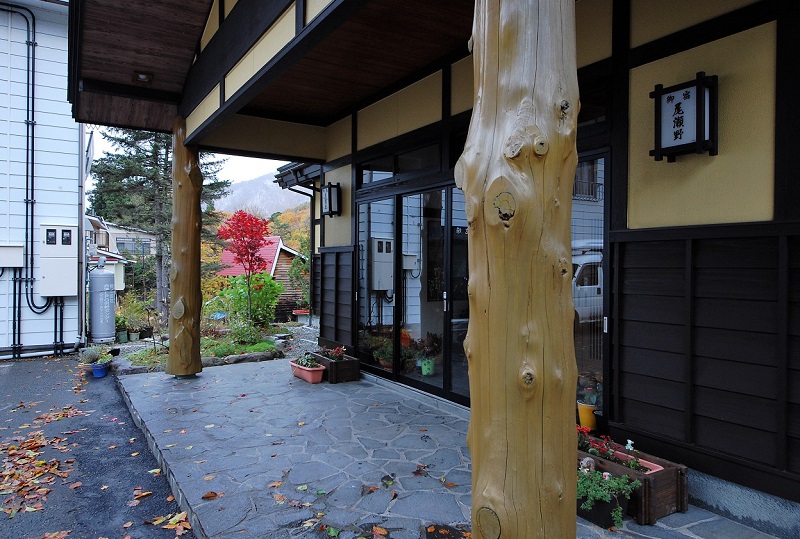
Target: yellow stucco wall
269, 138
229, 6
273, 40
212, 25
202, 111
339, 138
337, 229
593, 28
738, 184
412, 107
314, 7
651, 20
462, 82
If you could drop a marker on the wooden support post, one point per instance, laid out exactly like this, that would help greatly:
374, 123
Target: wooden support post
517, 173
184, 277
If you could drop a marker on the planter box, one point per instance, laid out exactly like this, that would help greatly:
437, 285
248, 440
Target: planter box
662, 493
600, 513
343, 370
312, 375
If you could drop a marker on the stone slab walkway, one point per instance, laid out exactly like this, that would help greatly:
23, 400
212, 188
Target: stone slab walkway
252, 452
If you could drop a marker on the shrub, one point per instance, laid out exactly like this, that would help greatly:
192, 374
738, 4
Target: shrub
264, 295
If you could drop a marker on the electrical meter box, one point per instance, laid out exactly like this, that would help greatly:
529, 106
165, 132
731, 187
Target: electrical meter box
58, 260
382, 263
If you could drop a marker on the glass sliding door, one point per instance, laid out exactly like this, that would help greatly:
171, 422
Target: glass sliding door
588, 212
376, 282
458, 306
423, 291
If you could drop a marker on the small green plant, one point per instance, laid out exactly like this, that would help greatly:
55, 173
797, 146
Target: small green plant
594, 486
244, 333
307, 361
95, 354
334, 354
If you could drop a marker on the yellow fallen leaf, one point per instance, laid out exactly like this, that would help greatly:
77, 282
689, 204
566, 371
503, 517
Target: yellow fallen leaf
142, 495
301, 423
377, 530
104, 487
135, 454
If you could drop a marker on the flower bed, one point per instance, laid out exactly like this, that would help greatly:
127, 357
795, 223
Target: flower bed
339, 367
663, 491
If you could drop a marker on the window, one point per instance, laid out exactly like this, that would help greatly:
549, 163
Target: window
589, 180
133, 246
405, 164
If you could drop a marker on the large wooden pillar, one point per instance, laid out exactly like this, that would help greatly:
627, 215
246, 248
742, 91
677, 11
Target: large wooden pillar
184, 277
517, 172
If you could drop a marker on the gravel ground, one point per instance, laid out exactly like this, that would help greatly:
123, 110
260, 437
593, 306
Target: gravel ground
304, 339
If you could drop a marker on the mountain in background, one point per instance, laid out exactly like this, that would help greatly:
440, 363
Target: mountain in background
259, 196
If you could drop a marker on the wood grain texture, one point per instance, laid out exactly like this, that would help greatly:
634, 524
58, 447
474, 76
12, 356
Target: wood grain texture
517, 173
184, 277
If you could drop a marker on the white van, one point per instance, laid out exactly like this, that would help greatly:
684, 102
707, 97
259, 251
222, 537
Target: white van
587, 280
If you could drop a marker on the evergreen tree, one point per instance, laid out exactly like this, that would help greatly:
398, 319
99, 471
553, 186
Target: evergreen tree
133, 187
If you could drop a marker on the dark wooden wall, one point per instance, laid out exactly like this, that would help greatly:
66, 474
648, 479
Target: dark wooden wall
336, 296
706, 360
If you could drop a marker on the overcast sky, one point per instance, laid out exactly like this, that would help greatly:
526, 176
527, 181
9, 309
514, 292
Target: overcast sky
236, 169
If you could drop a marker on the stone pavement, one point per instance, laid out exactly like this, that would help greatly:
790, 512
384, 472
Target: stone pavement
285, 458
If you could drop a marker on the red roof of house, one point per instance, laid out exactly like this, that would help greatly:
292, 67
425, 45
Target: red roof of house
269, 252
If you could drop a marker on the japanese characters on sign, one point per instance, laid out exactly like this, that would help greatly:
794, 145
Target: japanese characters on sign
686, 118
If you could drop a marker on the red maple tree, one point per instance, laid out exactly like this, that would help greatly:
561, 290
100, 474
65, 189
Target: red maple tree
246, 234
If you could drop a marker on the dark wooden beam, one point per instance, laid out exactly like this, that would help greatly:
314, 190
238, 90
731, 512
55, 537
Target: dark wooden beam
787, 114
128, 90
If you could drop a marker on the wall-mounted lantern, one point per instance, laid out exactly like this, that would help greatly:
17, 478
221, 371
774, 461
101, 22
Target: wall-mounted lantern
686, 118
331, 199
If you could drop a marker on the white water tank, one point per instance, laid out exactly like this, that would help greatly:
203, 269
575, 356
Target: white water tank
101, 305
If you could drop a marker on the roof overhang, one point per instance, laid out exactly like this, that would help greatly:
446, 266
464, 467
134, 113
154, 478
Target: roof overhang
350, 55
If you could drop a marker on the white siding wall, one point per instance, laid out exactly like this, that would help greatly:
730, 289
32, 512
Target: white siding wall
57, 161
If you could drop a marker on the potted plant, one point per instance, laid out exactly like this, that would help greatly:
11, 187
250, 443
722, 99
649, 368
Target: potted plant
664, 484
307, 368
121, 327
590, 399
602, 497
98, 358
339, 367
383, 354
427, 349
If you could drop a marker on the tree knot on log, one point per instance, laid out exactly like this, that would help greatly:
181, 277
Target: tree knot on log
488, 523
541, 146
506, 205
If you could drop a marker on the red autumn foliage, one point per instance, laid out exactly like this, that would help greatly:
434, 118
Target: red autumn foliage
246, 234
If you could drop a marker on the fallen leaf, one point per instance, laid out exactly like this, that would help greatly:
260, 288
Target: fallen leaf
75, 485
104, 487
211, 495
135, 454
133, 503
423, 430
430, 529
170, 498
377, 530
155, 471
450, 485
333, 532
211, 426
275, 484
302, 488
142, 495
183, 431
394, 495
301, 423
127, 525
112, 447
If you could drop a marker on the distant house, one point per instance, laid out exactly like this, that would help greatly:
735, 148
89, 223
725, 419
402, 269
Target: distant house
279, 260
120, 245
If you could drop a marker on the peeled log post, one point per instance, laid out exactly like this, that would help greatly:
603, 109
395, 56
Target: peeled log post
517, 173
184, 276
